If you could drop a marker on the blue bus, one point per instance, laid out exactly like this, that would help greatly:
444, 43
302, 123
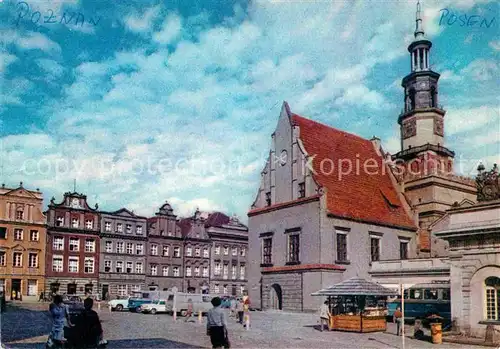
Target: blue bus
423, 300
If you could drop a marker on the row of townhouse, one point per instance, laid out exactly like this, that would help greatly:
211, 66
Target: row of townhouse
73, 248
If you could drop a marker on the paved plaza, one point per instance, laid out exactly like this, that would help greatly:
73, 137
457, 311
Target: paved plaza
28, 326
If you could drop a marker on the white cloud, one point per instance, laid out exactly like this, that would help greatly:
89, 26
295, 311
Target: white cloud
142, 22
170, 30
51, 67
5, 60
482, 70
495, 45
467, 119
34, 40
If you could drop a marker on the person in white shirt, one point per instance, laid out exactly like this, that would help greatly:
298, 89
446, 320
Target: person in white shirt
324, 316
217, 325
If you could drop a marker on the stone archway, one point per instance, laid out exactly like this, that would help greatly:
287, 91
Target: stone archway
276, 297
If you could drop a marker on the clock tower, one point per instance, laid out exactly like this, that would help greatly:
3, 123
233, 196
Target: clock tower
422, 119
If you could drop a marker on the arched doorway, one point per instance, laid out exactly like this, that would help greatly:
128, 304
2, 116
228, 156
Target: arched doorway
276, 297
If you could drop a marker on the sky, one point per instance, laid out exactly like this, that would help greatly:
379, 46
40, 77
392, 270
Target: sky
139, 102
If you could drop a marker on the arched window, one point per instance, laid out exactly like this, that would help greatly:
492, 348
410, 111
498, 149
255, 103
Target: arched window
433, 97
492, 288
412, 99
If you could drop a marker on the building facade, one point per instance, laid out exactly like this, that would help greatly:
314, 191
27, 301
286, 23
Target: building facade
72, 258
165, 251
22, 241
313, 223
123, 246
228, 251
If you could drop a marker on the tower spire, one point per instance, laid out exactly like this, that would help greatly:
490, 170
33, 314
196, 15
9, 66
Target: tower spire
419, 31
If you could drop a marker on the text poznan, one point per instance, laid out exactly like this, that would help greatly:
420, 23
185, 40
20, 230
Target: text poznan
50, 18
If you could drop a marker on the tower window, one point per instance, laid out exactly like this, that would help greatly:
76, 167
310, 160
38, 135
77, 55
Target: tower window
412, 99
433, 97
268, 198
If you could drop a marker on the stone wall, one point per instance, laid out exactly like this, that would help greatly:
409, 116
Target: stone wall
291, 286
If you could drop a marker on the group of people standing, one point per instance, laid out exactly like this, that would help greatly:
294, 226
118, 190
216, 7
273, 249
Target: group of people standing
238, 309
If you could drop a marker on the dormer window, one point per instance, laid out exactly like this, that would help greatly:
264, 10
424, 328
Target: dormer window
74, 222
20, 214
59, 221
89, 224
268, 199
119, 227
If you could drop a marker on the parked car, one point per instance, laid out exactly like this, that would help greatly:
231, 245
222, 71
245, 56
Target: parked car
119, 304
156, 306
134, 304
201, 302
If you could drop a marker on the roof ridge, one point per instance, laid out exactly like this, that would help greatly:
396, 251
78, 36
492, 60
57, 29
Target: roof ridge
331, 127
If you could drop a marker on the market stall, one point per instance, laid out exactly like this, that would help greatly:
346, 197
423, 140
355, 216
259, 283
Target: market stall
357, 305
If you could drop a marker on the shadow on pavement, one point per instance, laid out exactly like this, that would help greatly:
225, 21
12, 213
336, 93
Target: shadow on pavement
125, 343
21, 323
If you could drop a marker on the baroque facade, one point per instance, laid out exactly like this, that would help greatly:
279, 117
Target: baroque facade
122, 267
73, 245
22, 237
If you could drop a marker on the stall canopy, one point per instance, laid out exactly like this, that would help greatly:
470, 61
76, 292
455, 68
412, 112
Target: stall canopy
355, 287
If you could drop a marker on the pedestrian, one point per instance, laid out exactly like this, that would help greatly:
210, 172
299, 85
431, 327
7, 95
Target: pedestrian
90, 333
41, 297
324, 316
240, 309
59, 313
217, 325
397, 318
189, 310
234, 303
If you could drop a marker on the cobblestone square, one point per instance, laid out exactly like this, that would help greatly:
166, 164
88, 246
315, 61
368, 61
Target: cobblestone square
28, 326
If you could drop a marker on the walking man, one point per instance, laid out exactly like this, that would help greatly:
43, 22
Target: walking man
189, 310
324, 316
397, 318
240, 309
217, 325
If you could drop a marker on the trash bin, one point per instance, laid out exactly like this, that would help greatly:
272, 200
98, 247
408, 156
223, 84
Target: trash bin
437, 333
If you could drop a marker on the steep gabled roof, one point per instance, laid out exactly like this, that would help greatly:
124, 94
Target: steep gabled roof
364, 195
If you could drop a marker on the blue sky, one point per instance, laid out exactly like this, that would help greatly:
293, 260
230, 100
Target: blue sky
177, 100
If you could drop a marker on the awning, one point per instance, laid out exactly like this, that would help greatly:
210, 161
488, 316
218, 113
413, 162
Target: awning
356, 287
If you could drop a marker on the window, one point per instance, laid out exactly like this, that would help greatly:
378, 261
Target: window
165, 251
129, 267
217, 268
20, 214
189, 251
164, 271
216, 288
89, 223
122, 290
2, 258
130, 248
89, 265
18, 234
302, 190
138, 230
375, 249
196, 271
446, 294
128, 228
90, 245
74, 222
233, 272
188, 271
34, 236
177, 252
119, 227
492, 285
205, 272
197, 252
74, 244
154, 250
73, 264
176, 271
234, 251
242, 252
136, 288
119, 267
107, 266
225, 289
293, 248
109, 246
225, 271
268, 199
107, 226
217, 250
226, 251
403, 249
205, 253
154, 270
242, 289
242, 272
430, 294
267, 246
138, 268
139, 249
33, 260
3, 233
57, 264
59, 221
341, 247
120, 247
58, 243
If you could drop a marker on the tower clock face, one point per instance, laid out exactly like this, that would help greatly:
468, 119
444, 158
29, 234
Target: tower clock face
75, 203
423, 84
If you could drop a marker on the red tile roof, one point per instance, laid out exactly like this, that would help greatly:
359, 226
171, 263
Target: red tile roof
366, 195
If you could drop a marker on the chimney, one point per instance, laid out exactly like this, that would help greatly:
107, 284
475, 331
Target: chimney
377, 145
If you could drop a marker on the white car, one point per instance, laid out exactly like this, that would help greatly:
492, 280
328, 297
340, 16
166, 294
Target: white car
157, 306
118, 304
